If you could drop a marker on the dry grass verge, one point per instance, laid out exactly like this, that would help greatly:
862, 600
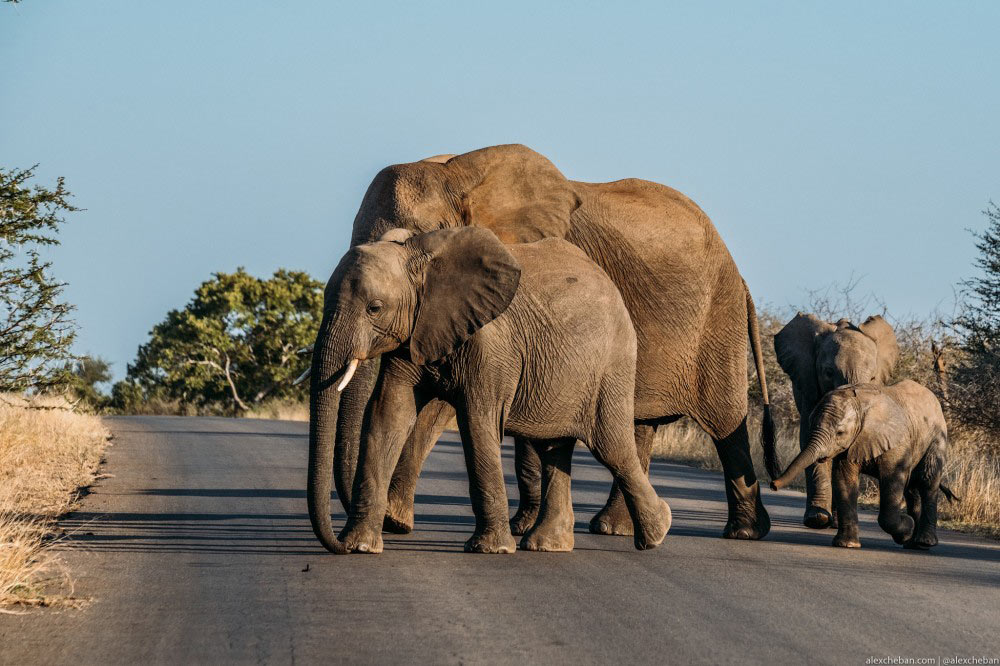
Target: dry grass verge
48, 454
972, 472
280, 410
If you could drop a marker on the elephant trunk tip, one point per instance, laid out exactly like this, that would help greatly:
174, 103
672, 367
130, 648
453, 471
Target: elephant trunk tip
778, 484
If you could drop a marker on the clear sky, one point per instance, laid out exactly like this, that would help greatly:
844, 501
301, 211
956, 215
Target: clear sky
821, 138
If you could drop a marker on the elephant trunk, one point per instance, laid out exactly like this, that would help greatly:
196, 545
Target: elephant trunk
817, 449
324, 403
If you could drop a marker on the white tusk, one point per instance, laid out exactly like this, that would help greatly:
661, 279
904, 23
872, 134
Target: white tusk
348, 374
302, 377
306, 350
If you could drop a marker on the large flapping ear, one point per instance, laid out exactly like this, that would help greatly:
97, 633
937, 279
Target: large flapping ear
795, 346
879, 330
468, 278
515, 192
883, 425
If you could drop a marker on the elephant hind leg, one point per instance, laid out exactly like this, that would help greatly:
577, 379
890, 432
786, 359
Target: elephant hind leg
614, 518
927, 482
528, 469
747, 519
553, 531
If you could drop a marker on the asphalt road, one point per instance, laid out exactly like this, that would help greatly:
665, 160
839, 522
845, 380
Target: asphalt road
197, 550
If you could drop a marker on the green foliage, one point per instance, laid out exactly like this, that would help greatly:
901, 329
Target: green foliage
84, 375
36, 331
234, 344
976, 374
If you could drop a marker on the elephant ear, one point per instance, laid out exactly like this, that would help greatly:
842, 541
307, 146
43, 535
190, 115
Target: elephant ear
879, 330
883, 424
468, 280
515, 192
795, 346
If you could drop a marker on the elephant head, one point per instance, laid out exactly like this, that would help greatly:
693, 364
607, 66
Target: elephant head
429, 291
511, 190
819, 356
861, 420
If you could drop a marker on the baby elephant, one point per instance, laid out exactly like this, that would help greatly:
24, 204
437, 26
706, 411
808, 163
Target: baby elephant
532, 340
896, 434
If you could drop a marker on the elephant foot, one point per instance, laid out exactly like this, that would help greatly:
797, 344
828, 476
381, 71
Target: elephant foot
551, 540
361, 539
748, 524
652, 532
924, 541
491, 542
902, 532
613, 519
524, 519
846, 541
817, 518
398, 519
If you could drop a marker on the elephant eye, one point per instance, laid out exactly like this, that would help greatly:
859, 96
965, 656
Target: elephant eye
375, 307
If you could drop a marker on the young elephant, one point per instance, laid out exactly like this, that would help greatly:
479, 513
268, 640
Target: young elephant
896, 434
532, 340
819, 356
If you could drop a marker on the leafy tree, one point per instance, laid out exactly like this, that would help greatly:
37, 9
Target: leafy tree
976, 374
235, 343
36, 331
84, 376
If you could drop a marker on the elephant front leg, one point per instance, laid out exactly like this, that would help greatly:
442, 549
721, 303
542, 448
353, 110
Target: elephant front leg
528, 468
819, 491
748, 519
614, 518
891, 517
553, 532
393, 413
431, 422
845, 489
481, 435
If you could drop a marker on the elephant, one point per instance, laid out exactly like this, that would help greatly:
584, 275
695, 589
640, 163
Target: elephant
896, 434
819, 356
691, 310
532, 339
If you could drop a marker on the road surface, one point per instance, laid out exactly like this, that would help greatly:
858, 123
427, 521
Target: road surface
198, 550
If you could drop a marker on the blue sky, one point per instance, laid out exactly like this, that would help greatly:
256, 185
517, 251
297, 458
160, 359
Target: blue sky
823, 139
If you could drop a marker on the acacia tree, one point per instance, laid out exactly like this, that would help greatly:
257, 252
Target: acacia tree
235, 343
976, 374
36, 331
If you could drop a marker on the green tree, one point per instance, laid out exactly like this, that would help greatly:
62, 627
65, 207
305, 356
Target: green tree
976, 374
84, 376
235, 343
36, 331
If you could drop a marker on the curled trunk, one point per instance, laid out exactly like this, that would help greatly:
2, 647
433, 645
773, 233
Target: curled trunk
324, 403
817, 448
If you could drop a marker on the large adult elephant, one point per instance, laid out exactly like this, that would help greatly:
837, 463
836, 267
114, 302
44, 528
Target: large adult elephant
819, 356
690, 307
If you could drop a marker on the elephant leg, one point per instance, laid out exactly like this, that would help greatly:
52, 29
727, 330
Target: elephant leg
914, 506
553, 531
845, 491
528, 468
614, 518
487, 489
927, 484
891, 516
819, 488
353, 402
650, 515
431, 422
748, 519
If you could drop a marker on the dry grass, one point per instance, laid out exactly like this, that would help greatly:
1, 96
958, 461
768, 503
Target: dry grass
48, 454
972, 472
280, 410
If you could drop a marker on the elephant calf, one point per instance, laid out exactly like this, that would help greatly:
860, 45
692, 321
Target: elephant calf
896, 434
531, 339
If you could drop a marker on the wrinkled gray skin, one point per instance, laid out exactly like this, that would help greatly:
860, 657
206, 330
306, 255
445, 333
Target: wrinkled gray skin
896, 434
690, 308
820, 356
533, 340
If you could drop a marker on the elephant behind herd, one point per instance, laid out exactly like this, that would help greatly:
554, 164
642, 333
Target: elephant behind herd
692, 314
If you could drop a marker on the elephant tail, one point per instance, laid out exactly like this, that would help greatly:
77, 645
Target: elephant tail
767, 434
952, 497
